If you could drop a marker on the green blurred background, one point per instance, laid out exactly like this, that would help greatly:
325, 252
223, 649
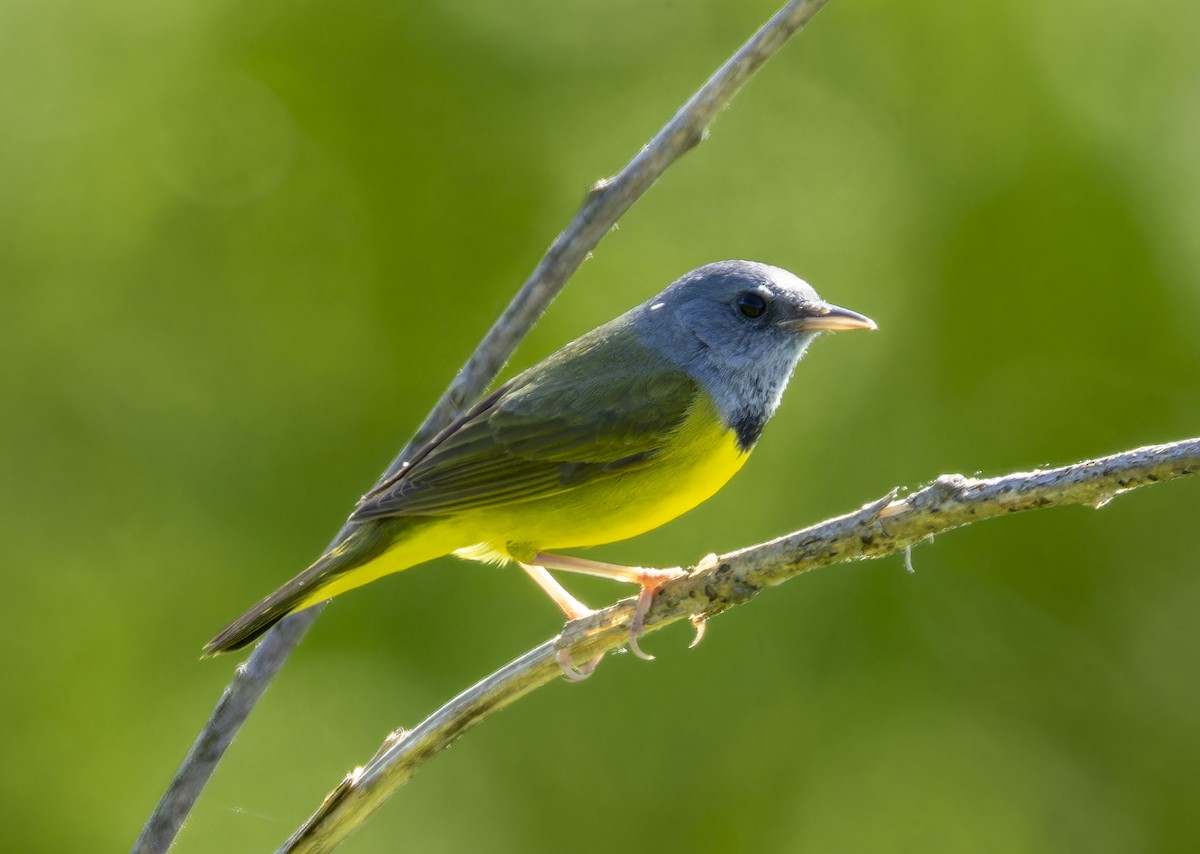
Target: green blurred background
244, 246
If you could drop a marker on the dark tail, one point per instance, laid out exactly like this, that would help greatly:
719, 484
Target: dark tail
362, 546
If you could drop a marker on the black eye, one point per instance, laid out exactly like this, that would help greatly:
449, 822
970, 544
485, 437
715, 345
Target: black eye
751, 304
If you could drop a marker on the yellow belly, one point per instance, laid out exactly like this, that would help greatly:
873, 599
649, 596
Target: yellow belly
700, 459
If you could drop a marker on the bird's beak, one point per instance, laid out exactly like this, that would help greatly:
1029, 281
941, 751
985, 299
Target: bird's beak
831, 318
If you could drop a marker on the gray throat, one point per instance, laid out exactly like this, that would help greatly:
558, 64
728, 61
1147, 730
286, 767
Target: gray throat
746, 386
747, 394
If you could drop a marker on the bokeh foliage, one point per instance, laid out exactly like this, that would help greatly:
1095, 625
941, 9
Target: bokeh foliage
243, 246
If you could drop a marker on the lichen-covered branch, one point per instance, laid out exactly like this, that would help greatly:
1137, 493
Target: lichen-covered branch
605, 203
881, 528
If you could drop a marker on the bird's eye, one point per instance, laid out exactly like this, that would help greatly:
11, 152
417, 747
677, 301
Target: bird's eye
751, 304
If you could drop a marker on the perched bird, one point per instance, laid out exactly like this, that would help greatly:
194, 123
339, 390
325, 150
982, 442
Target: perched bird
623, 429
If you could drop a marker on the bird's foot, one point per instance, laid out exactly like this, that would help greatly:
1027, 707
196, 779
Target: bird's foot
570, 671
650, 580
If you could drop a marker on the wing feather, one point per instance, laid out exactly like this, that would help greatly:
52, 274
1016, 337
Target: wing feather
577, 417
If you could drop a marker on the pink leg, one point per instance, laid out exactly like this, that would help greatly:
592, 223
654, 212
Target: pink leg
574, 610
648, 579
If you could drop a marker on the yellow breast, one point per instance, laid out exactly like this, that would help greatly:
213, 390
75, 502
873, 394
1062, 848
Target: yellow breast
697, 461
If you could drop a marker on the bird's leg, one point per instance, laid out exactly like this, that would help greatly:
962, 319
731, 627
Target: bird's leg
648, 579
568, 604
574, 610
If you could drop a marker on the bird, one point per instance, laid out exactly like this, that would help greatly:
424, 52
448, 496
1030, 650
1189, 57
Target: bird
622, 430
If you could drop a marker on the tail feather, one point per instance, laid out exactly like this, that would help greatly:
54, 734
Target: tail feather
362, 546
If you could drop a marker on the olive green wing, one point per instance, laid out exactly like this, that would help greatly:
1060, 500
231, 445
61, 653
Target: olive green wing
576, 418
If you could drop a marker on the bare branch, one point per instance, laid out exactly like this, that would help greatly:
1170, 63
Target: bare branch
605, 203
881, 528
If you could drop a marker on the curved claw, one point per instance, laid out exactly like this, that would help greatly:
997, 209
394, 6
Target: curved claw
700, 624
637, 650
651, 580
637, 624
572, 673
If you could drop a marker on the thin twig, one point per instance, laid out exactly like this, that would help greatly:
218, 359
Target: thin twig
881, 528
605, 203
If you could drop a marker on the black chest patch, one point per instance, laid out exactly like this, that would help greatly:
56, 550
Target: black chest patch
749, 426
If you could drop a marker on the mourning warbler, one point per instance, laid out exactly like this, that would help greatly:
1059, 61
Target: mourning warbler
621, 430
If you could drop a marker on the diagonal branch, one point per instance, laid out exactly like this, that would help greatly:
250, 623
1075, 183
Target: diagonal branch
878, 529
605, 203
